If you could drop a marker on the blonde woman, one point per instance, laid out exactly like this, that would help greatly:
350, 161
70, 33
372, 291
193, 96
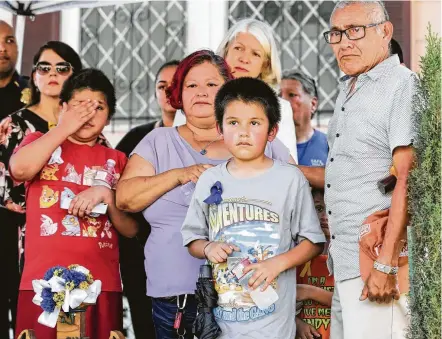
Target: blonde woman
249, 49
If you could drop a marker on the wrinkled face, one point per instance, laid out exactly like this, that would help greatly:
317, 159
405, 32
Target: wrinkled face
91, 129
303, 105
359, 56
50, 83
164, 80
199, 90
246, 56
318, 199
246, 130
8, 50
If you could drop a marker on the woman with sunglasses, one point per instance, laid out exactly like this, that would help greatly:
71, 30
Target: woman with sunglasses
53, 64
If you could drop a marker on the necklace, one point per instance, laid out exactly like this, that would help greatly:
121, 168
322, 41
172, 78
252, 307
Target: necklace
51, 124
204, 149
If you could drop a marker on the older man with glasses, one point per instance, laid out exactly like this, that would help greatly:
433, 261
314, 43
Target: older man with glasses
370, 131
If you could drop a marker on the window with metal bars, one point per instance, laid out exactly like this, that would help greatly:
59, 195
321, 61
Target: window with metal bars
129, 43
298, 28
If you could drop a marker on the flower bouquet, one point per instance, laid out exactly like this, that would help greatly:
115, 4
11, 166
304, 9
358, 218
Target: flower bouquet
64, 289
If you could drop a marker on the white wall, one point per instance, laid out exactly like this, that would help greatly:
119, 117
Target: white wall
6, 16
423, 12
206, 24
70, 32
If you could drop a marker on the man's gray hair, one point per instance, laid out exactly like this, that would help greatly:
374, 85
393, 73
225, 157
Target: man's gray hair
308, 83
377, 12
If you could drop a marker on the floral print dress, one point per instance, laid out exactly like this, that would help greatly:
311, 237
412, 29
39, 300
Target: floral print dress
12, 193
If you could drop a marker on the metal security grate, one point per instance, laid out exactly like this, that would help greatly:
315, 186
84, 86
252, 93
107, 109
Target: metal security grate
129, 43
298, 28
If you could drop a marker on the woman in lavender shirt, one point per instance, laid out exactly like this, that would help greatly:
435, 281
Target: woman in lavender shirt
159, 180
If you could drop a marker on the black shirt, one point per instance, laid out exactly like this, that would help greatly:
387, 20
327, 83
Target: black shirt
24, 122
11, 94
134, 136
12, 196
127, 145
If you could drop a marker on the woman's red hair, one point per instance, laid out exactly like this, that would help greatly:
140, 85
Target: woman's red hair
175, 90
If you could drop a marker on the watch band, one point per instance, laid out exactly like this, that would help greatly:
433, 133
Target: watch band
385, 268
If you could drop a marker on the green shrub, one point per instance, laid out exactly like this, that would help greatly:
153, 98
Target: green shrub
425, 200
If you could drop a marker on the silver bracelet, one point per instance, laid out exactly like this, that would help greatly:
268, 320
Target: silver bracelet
385, 268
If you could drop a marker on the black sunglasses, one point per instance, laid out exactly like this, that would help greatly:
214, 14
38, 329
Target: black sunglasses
62, 68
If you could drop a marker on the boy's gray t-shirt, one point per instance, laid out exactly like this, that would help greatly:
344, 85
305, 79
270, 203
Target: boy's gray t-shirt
264, 216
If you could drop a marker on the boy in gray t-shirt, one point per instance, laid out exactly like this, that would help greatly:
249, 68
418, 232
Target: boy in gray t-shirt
252, 209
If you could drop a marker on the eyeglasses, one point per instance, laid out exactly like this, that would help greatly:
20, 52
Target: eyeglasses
62, 68
352, 33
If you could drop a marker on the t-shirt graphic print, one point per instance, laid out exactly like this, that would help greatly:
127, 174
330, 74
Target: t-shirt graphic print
56, 237
255, 230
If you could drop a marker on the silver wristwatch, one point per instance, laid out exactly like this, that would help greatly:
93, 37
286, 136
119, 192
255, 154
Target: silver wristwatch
385, 268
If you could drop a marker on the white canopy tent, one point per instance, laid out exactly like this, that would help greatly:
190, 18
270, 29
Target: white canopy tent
30, 9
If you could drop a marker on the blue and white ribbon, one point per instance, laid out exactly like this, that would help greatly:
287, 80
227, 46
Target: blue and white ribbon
72, 299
